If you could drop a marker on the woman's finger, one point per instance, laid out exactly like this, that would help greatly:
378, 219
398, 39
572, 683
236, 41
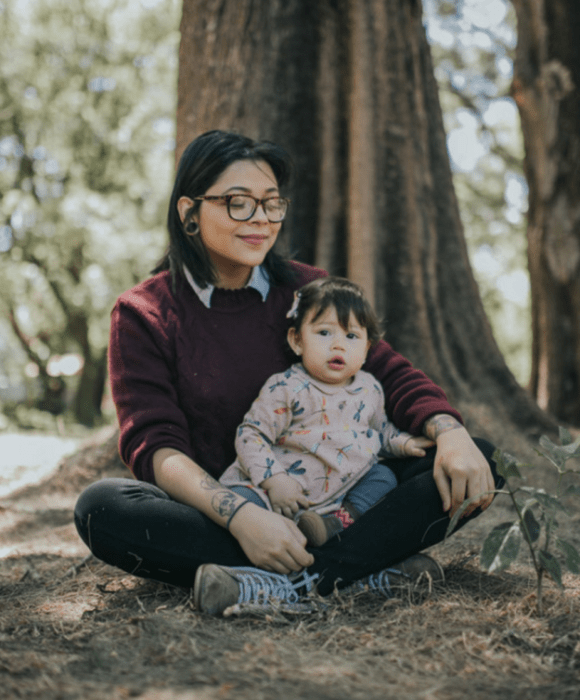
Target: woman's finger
442, 483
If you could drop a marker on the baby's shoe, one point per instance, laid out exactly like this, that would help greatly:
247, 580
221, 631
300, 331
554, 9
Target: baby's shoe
318, 529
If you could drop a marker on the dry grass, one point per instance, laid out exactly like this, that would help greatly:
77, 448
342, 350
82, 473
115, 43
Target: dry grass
70, 629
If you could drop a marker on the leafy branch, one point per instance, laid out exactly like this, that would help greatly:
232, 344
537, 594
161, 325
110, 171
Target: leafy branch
536, 512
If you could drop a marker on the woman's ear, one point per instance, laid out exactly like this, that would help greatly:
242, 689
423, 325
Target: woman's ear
184, 204
294, 341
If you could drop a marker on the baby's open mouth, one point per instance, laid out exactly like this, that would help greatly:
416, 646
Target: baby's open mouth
336, 362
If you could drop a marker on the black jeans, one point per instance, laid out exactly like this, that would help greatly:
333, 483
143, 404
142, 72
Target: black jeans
137, 527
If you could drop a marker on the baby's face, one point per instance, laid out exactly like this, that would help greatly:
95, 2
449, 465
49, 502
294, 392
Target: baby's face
330, 353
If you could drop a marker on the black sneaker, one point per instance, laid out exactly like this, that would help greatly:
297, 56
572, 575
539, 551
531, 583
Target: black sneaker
414, 570
217, 588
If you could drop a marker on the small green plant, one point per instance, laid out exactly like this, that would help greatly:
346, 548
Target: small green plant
536, 523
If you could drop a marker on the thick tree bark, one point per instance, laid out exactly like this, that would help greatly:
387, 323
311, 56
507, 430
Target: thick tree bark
547, 91
347, 86
90, 390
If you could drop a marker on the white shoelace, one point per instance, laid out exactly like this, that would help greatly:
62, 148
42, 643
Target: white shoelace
259, 587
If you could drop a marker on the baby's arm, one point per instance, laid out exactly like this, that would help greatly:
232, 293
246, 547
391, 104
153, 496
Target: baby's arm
399, 443
268, 418
415, 446
402, 444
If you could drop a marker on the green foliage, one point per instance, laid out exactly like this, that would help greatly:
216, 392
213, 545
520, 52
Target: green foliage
87, 105
536, 511
472, 43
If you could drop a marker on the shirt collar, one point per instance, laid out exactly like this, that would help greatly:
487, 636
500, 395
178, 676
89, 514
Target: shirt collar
259, 281
355, 387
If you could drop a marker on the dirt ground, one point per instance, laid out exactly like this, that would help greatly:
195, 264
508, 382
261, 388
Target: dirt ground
71, 627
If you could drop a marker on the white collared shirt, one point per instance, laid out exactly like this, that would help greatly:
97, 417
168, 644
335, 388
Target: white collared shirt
259, 281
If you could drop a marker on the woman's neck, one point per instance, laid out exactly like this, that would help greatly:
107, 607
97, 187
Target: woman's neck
234, 277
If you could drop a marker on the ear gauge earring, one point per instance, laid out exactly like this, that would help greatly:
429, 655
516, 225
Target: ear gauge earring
192, 228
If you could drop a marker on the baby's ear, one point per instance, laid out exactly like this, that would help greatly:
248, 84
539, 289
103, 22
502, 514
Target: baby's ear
294, 340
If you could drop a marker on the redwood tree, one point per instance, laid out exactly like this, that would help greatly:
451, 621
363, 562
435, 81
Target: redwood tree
547, 92
347, 86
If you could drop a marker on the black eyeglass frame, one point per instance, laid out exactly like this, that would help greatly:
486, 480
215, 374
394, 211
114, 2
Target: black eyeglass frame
227, 198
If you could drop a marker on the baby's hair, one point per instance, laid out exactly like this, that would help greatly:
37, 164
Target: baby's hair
344, 296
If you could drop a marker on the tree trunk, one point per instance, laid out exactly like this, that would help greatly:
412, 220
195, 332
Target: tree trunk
90, 390
347, 86
547, 91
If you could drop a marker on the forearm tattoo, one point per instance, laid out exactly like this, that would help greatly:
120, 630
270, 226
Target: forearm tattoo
437, 425
224, 502
208, 483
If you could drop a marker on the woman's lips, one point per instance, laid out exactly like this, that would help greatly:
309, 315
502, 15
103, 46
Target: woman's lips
253, 240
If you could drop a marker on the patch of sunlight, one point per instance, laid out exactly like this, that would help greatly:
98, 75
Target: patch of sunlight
28, 459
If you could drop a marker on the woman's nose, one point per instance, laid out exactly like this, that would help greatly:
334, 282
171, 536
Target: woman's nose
259, 214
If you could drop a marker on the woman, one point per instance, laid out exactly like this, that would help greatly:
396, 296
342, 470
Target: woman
189, 351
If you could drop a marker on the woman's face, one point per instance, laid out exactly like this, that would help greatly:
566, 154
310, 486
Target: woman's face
235, 247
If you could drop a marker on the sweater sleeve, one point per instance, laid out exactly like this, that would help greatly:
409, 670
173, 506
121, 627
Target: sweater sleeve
410, 396
392, 439
143, 388
266, 421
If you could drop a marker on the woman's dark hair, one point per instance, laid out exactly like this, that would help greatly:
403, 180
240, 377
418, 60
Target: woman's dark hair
342, 294
201, 164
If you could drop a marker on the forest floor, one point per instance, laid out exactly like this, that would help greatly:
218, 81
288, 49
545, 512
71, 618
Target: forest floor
71, 627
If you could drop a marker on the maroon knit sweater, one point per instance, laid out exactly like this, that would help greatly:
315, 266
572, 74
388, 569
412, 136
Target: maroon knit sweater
183, 376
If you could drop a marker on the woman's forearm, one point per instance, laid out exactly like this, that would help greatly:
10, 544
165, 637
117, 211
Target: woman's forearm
186, 482
269, 540
439, 424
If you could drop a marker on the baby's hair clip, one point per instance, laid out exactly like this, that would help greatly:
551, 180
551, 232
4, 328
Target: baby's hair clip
294, 310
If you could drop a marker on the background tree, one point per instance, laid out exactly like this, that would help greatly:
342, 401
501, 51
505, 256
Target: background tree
473, 46
348, 87
547, 92
86, 142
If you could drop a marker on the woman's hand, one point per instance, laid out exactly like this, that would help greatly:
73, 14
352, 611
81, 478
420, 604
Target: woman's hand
285, 494
460, 470
269, 540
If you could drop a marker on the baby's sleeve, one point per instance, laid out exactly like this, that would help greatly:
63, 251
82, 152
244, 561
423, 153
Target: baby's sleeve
268, 419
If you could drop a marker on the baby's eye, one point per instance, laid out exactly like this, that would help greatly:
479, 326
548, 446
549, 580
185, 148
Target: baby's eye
351, 336
323, 332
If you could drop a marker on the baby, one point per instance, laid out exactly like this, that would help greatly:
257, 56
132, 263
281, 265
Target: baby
309, 446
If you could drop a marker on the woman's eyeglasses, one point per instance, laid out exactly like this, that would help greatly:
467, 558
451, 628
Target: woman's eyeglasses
242, 207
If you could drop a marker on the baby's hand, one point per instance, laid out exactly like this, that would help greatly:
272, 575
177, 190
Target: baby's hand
415, 446
285, 494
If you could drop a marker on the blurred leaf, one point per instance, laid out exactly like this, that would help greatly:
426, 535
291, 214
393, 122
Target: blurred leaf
501, 547
546, 500
531, 524
571, 554
552, 452
461, 510
559, 454
550, 564
507, 466
565, 436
